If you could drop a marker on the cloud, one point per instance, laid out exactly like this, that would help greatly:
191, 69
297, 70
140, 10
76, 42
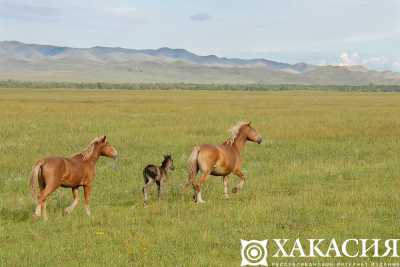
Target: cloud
347, 59
374, 62
396, 66
200, 17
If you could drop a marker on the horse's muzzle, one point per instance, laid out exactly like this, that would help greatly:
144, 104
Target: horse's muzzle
259, 140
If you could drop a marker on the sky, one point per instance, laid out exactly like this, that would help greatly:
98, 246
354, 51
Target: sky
340, 32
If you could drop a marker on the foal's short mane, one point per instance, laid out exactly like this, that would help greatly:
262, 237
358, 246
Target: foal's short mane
87, 153
235, 132
166, 159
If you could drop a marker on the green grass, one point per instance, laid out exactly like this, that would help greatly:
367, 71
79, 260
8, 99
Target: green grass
329, 168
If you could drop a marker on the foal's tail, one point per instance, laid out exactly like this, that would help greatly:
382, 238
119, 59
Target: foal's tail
193, 166
34, 180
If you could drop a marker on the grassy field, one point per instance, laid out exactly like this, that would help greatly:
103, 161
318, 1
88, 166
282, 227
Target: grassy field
329, 168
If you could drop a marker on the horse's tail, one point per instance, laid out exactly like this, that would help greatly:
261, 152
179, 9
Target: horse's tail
193, 166
34, 179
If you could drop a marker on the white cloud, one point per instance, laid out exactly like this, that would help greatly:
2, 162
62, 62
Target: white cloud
347, 59
396, 66
374, 62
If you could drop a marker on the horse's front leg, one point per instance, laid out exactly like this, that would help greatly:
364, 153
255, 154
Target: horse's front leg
70, 208
86, 191
239, 186
225, 181
160, 185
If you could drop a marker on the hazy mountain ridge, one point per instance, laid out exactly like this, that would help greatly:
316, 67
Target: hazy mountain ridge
114, 64
33, 51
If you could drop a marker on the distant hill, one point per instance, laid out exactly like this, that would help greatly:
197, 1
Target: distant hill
22, 61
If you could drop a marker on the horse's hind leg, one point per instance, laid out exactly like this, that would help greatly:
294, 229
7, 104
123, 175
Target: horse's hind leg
145, 190
197, 187
70, 208
38, 210
42, 199
241, 182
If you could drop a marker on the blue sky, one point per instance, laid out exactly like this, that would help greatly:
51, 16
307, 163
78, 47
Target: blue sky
346, 32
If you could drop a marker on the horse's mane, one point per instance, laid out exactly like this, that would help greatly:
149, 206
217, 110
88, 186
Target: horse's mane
234, 130
166, 159
87, 152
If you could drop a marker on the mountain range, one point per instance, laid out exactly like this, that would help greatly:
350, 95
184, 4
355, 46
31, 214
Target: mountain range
21, 61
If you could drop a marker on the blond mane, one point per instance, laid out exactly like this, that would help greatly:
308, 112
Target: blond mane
234, 130
87, 152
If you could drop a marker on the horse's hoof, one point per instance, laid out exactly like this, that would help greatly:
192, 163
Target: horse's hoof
226, 196
235, 190
66, 212
35, 217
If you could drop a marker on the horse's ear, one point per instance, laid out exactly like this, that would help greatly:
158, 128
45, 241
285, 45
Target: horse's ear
104, 139
249, 123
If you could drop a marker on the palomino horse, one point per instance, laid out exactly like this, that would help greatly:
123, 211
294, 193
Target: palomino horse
78, 170
221, 160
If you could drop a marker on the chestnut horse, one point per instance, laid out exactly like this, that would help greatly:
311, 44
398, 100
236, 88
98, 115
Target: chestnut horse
221, 160
73, 172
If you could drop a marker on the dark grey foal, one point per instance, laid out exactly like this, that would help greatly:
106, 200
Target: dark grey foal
156, 174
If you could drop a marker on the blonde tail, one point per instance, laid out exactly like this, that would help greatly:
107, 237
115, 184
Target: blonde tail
193, 167
34, 179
